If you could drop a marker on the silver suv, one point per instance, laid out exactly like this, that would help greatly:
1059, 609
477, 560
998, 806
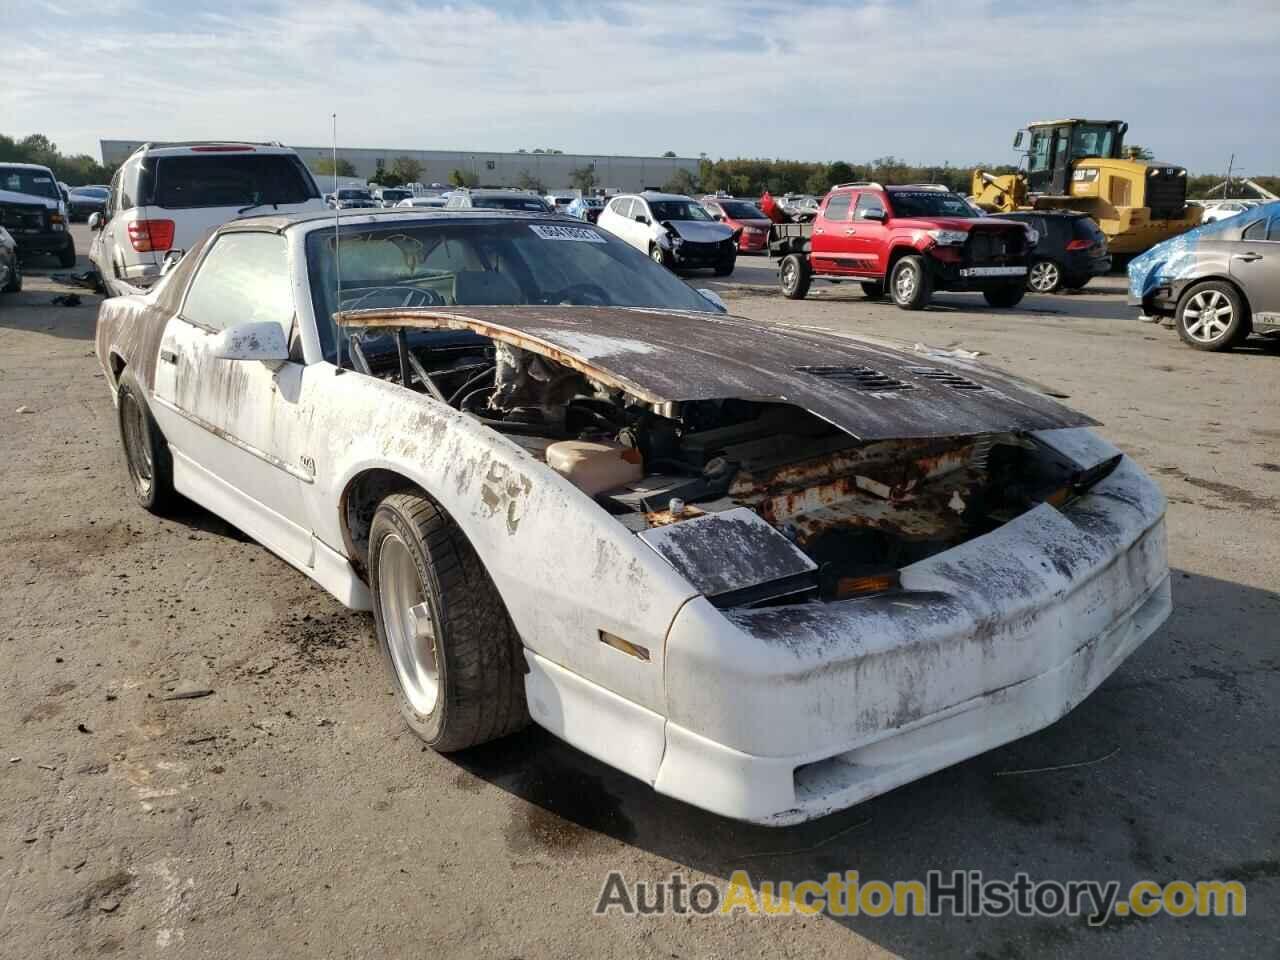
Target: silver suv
464, 199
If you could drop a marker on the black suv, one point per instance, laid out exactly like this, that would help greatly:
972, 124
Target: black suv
1071, 249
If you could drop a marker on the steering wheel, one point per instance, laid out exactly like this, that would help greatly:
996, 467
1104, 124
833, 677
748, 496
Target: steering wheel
593, 295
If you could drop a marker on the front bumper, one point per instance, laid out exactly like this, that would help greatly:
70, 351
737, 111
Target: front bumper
780, 715
46, 241
689, 254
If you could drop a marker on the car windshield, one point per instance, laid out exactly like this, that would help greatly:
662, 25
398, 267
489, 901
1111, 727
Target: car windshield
678, 210
532, 204
395, 194
354, 195
930, 203
225, 180
741, 210
496, 262
35, 182
98, 193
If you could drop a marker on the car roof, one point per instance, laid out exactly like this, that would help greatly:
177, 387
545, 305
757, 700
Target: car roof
659, 195
278, 223
26, 166
186, 148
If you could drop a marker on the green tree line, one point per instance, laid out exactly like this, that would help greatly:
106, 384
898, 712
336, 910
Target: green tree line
77, 170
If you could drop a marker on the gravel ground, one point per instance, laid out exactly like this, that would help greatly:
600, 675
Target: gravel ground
290, 808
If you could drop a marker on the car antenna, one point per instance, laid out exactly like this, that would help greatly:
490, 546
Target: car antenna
337, 252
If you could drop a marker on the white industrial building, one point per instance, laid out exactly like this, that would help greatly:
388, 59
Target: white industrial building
490, 169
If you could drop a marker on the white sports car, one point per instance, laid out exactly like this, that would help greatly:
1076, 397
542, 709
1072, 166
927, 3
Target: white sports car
771, 573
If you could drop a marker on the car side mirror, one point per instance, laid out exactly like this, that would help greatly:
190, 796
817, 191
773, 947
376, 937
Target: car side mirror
263, 341
718, 216
95, 221
878, 215
171, 260
641, 218
713, 298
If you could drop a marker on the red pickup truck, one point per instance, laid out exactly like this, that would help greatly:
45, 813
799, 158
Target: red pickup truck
910, 240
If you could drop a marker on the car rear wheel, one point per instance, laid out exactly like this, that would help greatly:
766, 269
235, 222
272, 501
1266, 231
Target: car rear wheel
873, 291
794, 276
1044, 276
1211, 316
67, 255
146, 453
456, 663
909, 283
1009, 295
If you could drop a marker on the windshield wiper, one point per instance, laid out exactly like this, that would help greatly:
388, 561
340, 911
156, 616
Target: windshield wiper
257, 203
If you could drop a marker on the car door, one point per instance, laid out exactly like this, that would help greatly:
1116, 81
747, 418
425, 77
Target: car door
642, 224
869, 242
228, 421
1255, 263
833, 233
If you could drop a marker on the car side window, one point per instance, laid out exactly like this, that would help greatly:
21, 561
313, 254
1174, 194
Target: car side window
243, 279
867, 203
1273, 231
1257, 231
639, 208
838, 206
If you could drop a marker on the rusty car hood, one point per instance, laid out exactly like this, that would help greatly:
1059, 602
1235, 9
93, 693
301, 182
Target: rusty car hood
871, 391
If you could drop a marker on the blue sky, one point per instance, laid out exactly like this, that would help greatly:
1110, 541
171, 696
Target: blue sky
925, 80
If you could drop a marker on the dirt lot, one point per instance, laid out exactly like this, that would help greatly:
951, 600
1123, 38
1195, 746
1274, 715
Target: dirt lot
289, 813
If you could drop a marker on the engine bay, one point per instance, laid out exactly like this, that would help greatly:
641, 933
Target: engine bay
858, 511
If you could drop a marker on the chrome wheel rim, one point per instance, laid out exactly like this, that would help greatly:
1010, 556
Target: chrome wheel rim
904, 283
656, 254
1207, 316
789, 275
1044, 276
409, 625
137, 450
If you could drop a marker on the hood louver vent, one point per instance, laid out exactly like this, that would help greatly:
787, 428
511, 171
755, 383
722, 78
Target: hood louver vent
859, 378
946, 377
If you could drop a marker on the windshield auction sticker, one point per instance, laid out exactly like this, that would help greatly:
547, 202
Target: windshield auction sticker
549, 231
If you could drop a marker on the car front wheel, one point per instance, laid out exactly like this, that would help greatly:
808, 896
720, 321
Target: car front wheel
1044, 276
1009, 295
659, 256
1211, 316
910, 283
67, 255
455, 661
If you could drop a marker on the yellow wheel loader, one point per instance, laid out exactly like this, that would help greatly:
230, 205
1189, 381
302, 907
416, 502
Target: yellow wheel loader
1080, 165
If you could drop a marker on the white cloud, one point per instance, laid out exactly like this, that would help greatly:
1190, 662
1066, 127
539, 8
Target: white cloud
926, 80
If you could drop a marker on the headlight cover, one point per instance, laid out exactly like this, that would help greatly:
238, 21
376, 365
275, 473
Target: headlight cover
948, 238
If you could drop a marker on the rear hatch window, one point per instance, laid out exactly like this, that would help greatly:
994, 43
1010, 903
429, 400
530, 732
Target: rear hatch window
1083, 228
222, 180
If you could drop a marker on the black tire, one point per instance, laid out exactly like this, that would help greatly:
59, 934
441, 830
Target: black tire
15, 278
1009, 295
725, 267
146, 453
1223, 333
873, 291
659, 256
478, 656
910, 283
794, 276
1044, 276
67, 255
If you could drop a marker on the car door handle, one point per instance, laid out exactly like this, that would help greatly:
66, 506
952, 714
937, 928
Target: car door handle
1246, 257
168, 356
850, 232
